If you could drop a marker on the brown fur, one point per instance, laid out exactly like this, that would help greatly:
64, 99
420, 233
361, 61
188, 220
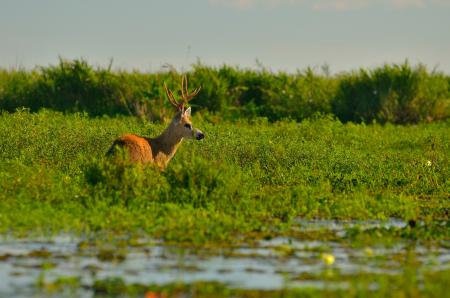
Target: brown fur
139, 149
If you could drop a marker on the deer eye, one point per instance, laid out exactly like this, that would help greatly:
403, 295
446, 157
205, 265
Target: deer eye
188, 126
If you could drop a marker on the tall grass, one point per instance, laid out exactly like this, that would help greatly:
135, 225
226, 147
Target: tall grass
391, 93
242, 177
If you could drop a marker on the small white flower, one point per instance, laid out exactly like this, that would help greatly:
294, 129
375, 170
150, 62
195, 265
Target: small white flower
428, 163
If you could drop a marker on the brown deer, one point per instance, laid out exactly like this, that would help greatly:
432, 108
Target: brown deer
161, 149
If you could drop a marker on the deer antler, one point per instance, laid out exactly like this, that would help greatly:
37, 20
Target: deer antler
172, 99
185, 96
185, 93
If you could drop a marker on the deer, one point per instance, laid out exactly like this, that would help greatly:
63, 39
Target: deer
161, 149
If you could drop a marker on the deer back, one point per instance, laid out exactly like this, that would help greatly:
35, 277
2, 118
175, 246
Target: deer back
137, 148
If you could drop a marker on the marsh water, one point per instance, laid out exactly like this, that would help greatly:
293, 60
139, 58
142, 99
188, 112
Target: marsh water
270, 263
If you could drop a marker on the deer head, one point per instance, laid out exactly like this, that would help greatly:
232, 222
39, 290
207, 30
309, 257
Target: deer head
182, 124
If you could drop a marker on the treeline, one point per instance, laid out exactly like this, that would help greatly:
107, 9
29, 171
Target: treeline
397, 93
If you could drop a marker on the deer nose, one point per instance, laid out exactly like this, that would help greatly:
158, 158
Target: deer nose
200, 136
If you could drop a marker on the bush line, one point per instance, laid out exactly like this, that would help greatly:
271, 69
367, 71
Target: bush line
396, 93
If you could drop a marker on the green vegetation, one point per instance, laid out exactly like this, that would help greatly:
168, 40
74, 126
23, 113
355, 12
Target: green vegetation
391, 93
391, 286
279, 149
245, 178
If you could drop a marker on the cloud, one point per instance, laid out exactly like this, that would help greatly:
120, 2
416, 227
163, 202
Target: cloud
334, 5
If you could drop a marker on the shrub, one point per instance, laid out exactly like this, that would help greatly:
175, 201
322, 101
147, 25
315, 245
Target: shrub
196, 182
393, 93
119, 182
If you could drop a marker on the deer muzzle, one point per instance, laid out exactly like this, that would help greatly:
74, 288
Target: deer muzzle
199, 135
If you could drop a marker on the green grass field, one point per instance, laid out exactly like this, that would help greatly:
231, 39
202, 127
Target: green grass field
247, 180
242, 177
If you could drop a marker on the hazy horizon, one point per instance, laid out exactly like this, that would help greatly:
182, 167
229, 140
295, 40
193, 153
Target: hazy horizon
286, 35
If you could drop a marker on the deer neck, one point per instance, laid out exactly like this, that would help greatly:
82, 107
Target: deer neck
165, 146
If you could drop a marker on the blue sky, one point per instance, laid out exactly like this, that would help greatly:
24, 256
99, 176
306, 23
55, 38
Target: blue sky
281, 34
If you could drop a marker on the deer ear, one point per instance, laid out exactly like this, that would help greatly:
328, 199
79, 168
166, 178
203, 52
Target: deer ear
187, 112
